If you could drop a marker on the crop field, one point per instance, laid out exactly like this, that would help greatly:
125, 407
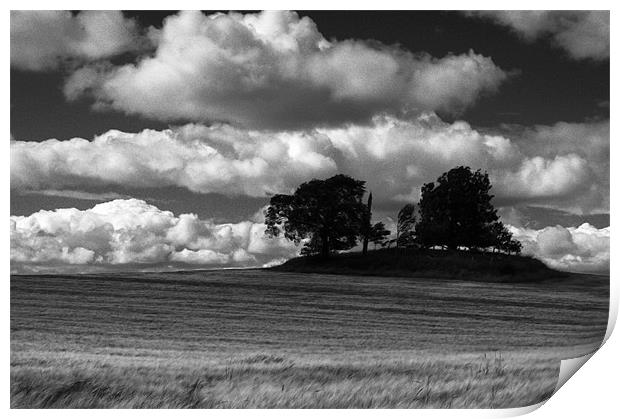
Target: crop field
257, 338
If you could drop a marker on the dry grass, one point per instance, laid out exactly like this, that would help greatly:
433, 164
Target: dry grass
256, 340
399, 380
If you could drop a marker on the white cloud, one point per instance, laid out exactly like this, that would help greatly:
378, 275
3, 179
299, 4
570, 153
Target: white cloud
589, 139
555, 241
42, 39
275, 70
582, 146
395, 157
203, 159
582, 249
539, 177
134, 232
583, 34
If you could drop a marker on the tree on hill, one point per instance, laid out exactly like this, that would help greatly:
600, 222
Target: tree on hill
375, 233
329, 213
513, 246
405, 226
501, 239
378, 234
366, 225
457, 211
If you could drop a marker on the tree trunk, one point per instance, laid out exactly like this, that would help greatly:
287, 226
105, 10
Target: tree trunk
325, 246
368, 226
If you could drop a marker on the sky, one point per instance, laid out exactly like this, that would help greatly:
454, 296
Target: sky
153, 140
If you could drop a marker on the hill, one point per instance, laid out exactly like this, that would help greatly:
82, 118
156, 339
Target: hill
487, 267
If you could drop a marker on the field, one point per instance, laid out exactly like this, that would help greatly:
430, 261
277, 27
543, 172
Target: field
255, 338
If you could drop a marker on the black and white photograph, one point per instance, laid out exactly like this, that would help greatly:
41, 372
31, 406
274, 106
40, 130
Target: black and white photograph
306, 209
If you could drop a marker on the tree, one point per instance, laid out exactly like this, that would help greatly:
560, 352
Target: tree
378, 234
405, 225
505, 242
366, 226
457, 211
328, 213
514, 246
500, 239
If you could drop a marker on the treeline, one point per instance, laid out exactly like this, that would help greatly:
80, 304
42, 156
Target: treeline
330, 215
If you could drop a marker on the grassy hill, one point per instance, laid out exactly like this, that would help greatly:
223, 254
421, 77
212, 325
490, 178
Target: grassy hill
486, 267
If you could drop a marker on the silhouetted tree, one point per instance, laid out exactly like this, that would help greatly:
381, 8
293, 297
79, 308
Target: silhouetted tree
378, 234
497, 236
330, 213
457, 211
500, 239
405, 225
366, 226
513, 246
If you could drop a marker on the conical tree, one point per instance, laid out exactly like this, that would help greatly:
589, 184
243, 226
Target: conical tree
367, 227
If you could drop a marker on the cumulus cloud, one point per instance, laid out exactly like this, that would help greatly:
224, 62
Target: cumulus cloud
395, 156
583, 34
539, 177
203, 159
590, 139
43, 39
123, 232
581, 249
275, 70
582, 146
134, 232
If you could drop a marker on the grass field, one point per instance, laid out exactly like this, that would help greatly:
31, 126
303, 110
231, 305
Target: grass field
257, 338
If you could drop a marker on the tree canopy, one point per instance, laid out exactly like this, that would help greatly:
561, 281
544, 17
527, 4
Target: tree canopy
378, 234
457, 211
329, 213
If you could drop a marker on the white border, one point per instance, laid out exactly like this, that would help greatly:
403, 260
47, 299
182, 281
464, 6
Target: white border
593, 392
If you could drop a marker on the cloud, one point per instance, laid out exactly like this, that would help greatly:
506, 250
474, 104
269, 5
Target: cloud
582, 146
398, 157
395, 156
203, 159
580, 249
81, 195
134, 232
537, 217
590, 139
539, 177
274, 70
583, 34
43, 39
